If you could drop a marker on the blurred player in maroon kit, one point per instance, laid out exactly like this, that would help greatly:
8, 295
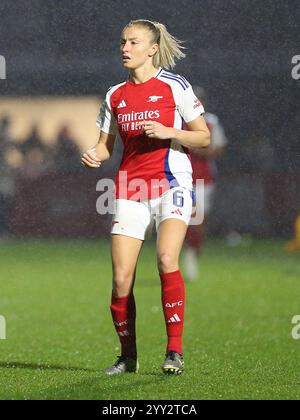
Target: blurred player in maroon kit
204, 168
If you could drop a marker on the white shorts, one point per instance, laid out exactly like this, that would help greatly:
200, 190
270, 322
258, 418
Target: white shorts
136, 219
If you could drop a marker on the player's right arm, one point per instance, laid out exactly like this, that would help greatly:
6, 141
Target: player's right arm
102, 151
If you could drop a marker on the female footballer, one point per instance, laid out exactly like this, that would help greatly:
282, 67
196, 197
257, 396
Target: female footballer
154, 182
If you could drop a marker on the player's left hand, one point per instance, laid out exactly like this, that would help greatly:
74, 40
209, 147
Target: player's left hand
155, 130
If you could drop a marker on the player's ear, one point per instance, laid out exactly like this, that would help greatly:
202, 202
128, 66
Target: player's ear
153, 50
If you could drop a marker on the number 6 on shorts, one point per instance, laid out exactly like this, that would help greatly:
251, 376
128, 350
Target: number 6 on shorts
178, 199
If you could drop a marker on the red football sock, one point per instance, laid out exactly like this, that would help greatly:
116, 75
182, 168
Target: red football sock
173, 300
123, 313
195, 238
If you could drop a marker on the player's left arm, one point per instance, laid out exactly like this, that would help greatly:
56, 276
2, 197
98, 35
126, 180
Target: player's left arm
197, 136
218, 140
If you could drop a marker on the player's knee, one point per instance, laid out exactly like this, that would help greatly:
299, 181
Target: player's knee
122, 280
167, 263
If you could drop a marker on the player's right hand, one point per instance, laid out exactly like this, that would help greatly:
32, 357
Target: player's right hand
90, 159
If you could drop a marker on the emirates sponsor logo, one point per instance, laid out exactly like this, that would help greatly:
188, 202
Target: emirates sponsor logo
129, 122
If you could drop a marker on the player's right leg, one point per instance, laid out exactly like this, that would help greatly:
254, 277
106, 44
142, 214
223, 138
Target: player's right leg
125, 252
129, 226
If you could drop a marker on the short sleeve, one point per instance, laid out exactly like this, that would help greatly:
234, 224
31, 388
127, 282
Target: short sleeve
106, 120
190, 107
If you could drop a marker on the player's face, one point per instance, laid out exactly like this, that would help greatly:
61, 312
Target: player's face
136, 47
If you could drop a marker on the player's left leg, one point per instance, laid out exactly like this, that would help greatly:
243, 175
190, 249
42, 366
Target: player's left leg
172, 213
170, 238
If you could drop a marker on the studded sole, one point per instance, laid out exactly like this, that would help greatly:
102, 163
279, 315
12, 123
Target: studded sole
171, 370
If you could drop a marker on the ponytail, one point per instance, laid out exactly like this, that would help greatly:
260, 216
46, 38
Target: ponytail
170, 48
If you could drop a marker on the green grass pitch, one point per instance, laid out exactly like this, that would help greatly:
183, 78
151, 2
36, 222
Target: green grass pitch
238, 332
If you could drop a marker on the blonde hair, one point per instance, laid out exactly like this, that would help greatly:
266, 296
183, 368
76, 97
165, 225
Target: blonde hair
170, 48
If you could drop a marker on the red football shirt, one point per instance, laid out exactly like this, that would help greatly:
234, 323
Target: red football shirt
150, 166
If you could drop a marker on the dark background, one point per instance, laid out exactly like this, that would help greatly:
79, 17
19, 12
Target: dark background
240, 51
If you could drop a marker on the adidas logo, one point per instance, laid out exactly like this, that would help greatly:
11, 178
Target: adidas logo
174, 319
122, 105
177, 211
